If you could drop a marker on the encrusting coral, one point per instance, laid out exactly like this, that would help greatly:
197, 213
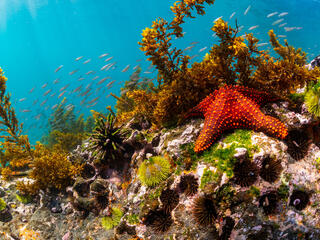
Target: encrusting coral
233, 107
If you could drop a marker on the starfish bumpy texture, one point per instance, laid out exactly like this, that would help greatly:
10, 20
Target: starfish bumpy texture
232, 107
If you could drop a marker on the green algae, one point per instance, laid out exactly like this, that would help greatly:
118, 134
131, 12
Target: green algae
3, 204
207, 177
221, 155
109, 222
23, 199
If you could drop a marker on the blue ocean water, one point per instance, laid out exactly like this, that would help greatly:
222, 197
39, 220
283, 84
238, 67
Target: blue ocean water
38, 36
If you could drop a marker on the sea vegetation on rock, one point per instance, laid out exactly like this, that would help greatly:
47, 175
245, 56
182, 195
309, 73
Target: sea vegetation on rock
15, 150
235, 60
51, 168
312, 99
154, 170
109, 222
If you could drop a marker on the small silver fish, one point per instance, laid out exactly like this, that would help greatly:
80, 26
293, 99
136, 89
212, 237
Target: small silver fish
283, 14
63, 88
90, 72
44, 85
104, 67
194, 43
56, 81
61, 94
282, 25
247, 10
231, 16
78, 58
87, 61
43, 102
262, 44
61, 66
77, 89
271, 14
32, 89
81, 78
93, 100
53, 94
135, 67
86, 92
103, 55
47, 92
108, 59
282, 36
103, 80
73, 72
25, 110
277, 21
109, 85
217, 18
95, 78
22, 99
253, 27
188, 48
54, 106
146, 72
126, 68
289, 29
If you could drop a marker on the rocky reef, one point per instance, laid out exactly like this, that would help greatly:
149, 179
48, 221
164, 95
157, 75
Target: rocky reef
248, 170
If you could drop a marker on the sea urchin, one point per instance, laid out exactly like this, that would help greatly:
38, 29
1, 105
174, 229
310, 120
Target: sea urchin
204, 210
245, 173
188, 184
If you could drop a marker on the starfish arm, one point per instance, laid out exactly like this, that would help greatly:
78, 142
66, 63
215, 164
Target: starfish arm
256, 120
257, 96
202, 107
212, 127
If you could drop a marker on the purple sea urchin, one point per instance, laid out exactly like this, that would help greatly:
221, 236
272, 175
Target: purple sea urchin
268, 202
204, 210
299, 199
298, 143
159, 220
271, 169
169, 199
188, 184
245, 173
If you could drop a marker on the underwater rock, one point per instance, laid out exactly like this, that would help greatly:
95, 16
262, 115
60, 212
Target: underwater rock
55, 205
88, 171
2, 192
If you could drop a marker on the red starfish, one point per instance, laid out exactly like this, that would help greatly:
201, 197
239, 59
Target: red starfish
232, 107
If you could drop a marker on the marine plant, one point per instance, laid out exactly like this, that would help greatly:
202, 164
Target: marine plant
3, 204
106, 141
15, 150
312, 99
204, 210
159, 220
236, 60
207, 177
188, 184
51, 168
109, 222
25, 199
154, 170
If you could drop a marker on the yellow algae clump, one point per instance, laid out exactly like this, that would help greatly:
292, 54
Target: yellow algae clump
51, 168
